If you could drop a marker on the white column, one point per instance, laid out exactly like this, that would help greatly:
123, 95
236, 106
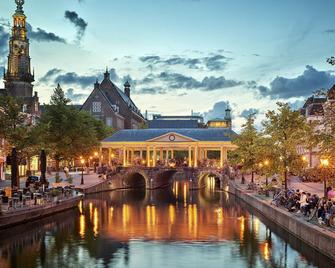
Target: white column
223, 156
148, 156
109, 156
189, 156
166, 157
196, 149
124, 156
141, 155
154, 160
172, 154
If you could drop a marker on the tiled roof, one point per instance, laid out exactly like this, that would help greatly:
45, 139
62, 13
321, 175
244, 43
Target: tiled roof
173, 123
107, 84
200, 134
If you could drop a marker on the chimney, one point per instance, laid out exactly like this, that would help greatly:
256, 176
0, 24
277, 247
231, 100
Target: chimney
35, 94
127, 89
96, 85
107, 74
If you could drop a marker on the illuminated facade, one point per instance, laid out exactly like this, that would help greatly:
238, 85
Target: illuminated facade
18, 77
158, 147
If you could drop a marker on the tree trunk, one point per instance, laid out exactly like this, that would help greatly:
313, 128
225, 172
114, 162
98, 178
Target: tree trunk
14, 170
252, 176
285, 179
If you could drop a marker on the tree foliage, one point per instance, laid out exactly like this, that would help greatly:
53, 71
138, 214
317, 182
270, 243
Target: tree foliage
16, 128
68, 133
286, 130
249, 144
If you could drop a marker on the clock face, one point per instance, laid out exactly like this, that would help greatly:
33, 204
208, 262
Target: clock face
172, 137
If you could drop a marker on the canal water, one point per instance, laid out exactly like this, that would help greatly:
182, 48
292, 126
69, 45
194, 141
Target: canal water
164, 228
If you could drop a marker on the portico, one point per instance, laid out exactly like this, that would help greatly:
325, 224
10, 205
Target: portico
168, 147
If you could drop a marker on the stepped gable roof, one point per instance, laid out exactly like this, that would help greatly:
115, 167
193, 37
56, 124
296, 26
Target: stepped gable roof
107, 85
198, 134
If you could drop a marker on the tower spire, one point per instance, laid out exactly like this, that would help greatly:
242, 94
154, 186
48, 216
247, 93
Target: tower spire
19, 6
18, 77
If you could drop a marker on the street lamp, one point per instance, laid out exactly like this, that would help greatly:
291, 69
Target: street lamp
324, 162
82, 161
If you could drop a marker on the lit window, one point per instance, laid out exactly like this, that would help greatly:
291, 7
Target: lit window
96, 107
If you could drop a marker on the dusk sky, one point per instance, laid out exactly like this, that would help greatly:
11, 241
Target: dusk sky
182, 55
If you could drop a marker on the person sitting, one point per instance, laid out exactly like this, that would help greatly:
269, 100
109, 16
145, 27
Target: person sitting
312, 203
322, 212
330, 212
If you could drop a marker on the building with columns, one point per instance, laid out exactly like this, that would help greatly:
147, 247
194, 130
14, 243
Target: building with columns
167, 147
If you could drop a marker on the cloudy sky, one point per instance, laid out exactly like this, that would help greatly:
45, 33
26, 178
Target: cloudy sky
182, 55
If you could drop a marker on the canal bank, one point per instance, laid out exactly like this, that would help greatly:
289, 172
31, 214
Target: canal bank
19, 216
319, 238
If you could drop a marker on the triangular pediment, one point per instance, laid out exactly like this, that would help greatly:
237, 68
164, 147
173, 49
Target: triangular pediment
172, 137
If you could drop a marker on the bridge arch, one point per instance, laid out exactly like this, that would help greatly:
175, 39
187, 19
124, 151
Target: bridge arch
211, 179
134, 179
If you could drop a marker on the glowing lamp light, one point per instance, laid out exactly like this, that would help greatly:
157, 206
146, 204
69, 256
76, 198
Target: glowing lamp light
112, 155
82, 161
304, 158
95, 153
324, 162
266, 162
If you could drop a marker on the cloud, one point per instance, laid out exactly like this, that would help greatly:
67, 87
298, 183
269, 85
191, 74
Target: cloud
41, 35
215, 62
218, 111
55, 76
78, 22
179, 81
150, 91
73, 78
49, 75
245, 113
4, 37
150, 59
303, 85
75, 97
330, 31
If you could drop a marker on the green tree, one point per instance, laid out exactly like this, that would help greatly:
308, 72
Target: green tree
68, 133
16, 128
248, 142
287, 130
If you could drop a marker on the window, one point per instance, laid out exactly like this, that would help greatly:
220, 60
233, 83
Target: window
109, 121
120, 123
96, 107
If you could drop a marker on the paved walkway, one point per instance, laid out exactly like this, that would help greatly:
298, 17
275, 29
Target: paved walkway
295, 183
89, 180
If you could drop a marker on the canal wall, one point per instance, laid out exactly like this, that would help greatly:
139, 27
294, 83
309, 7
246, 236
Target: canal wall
18, 216
319, 238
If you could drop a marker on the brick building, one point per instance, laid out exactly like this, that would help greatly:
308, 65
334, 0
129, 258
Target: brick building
113, 106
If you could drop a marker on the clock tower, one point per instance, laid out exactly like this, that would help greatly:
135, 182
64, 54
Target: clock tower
18, 76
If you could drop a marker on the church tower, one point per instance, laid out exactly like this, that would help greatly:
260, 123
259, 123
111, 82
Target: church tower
18, 77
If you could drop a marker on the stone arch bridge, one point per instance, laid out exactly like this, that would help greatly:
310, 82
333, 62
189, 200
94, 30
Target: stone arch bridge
155, 178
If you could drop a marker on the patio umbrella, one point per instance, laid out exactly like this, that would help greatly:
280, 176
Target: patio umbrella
14, 169
43, 166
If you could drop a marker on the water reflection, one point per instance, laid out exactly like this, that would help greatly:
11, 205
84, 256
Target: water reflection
134, 228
